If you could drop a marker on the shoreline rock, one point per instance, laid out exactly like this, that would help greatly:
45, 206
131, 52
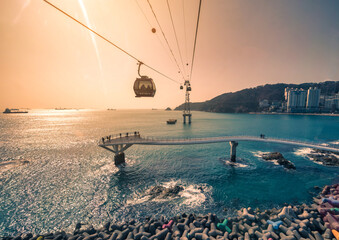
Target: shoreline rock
323, 157
163, 192
278, 158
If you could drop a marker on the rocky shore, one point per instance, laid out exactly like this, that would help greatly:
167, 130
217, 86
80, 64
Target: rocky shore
324, 157
316, 221
278, 158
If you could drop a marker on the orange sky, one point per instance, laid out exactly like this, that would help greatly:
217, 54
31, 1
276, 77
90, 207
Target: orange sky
49, 61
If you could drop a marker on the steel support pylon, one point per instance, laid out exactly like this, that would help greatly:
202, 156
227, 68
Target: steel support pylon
187, 106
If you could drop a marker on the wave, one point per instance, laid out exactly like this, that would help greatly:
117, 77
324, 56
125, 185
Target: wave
310, 154
303, 152
191, 195
8, 165
259, 154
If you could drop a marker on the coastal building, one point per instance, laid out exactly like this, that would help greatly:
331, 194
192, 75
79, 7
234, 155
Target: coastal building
296, 100
276, 104
264, 103
330, 104
286, 93
313, 99
336, 100
322, 101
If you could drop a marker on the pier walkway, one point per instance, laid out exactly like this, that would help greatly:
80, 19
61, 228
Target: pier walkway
118, 143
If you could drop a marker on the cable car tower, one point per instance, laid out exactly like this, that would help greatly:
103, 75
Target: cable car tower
187, 106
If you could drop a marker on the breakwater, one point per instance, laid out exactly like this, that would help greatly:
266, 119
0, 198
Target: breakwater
316, 221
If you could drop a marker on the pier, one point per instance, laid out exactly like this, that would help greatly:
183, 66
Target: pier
119, 143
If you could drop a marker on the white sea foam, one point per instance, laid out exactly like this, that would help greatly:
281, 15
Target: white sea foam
192, 195
236, 164
303, 152
135, 201
308, 152
259, 154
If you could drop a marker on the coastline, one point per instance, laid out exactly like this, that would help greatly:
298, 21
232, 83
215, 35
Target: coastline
313, 221
306, 114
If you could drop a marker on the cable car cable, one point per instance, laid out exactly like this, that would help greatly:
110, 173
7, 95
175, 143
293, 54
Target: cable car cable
155, 16
195, 40
111, 42
143, 13
183, 14
176, 38
162, 44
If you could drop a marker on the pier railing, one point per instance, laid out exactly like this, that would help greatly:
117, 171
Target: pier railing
135, 138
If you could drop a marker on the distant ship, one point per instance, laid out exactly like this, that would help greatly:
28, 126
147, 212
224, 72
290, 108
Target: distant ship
111, 109
14, 110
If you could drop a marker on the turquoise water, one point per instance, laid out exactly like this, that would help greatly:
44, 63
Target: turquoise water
70, 179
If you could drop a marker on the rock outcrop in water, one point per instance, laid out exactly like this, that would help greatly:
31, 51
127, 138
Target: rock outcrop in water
318, 221
324, 157
279, 158
164, 192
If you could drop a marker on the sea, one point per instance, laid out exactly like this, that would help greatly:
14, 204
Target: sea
53, 174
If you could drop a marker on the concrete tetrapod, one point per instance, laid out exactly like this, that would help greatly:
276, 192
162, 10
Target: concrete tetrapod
223, 226
275, 224
332, 201
335, 234
332, 221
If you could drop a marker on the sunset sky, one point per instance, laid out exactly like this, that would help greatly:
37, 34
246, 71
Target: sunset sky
47, 60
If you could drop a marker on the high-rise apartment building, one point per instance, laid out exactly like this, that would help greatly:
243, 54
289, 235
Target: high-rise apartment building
296, 100
313, 98
300, 100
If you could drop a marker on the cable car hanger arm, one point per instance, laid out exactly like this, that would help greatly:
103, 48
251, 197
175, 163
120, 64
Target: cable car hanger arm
139, 63
110, 42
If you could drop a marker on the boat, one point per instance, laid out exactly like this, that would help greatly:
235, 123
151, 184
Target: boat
63, 108
14, 110
171, 121
111, 109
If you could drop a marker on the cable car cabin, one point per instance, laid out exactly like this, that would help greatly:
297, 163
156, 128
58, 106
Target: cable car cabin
144, 87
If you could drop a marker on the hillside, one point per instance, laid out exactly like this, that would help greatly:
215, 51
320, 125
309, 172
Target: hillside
247, 100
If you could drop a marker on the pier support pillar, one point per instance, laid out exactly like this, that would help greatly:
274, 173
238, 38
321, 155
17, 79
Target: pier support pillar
189, 116
119, 158
233, 145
